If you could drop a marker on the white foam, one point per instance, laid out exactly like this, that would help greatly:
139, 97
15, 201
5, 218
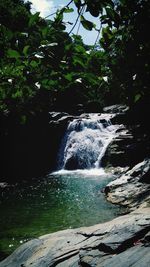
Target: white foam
87, 172
85, 142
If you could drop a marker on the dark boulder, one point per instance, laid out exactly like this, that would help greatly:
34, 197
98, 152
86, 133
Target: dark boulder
72, 163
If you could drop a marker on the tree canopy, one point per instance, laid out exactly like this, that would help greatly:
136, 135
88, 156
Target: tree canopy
42, 65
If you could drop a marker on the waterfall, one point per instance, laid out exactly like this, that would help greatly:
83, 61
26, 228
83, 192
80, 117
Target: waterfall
85, 141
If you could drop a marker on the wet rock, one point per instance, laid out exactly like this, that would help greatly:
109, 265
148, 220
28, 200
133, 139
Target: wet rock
120, 112
145, 178
119, 152
93, 257
122, 242
131, 189
126, 150
132, 146
118, 108
60, 119
72, 164
57, 115
135, 256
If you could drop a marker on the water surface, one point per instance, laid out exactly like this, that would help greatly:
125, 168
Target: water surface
59, 201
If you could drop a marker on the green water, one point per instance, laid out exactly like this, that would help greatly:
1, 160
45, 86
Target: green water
56, 202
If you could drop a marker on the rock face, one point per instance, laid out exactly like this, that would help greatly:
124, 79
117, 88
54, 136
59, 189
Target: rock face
129, 148
60, 118
133, 188
122, 242
118, 109
119, 151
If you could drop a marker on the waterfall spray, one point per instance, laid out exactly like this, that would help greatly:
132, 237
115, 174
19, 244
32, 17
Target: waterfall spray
85, 141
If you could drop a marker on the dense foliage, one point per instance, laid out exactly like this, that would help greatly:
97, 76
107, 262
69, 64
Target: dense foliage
42, 65
126, 44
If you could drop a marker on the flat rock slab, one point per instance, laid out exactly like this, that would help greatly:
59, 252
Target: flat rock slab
122, 242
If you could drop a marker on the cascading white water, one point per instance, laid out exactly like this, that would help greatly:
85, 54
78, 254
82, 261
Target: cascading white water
86, 141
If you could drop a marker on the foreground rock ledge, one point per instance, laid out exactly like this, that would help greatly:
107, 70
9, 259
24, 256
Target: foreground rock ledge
122, 242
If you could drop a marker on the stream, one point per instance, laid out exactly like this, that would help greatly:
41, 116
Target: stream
71, 197
56, 202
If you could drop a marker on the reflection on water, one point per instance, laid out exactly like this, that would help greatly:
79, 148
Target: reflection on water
58, 201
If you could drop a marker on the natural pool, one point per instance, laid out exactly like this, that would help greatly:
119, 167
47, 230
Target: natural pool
58, 201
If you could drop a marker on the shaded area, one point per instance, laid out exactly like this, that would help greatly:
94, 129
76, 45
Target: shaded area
28, 150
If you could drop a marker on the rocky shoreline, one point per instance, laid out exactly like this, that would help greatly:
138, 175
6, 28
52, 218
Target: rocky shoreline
122, 242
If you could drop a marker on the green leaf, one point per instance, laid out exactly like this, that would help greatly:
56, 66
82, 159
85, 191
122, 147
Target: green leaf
45, 32
34, 18
78, 61
34, 64
25, 50
13, 53
94, 12
9, 34
68, 10
17, 94
88, 25
110, 13
77, 3
59, 17
68, 77
23, 119
137, 97
94, 7
80, 49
